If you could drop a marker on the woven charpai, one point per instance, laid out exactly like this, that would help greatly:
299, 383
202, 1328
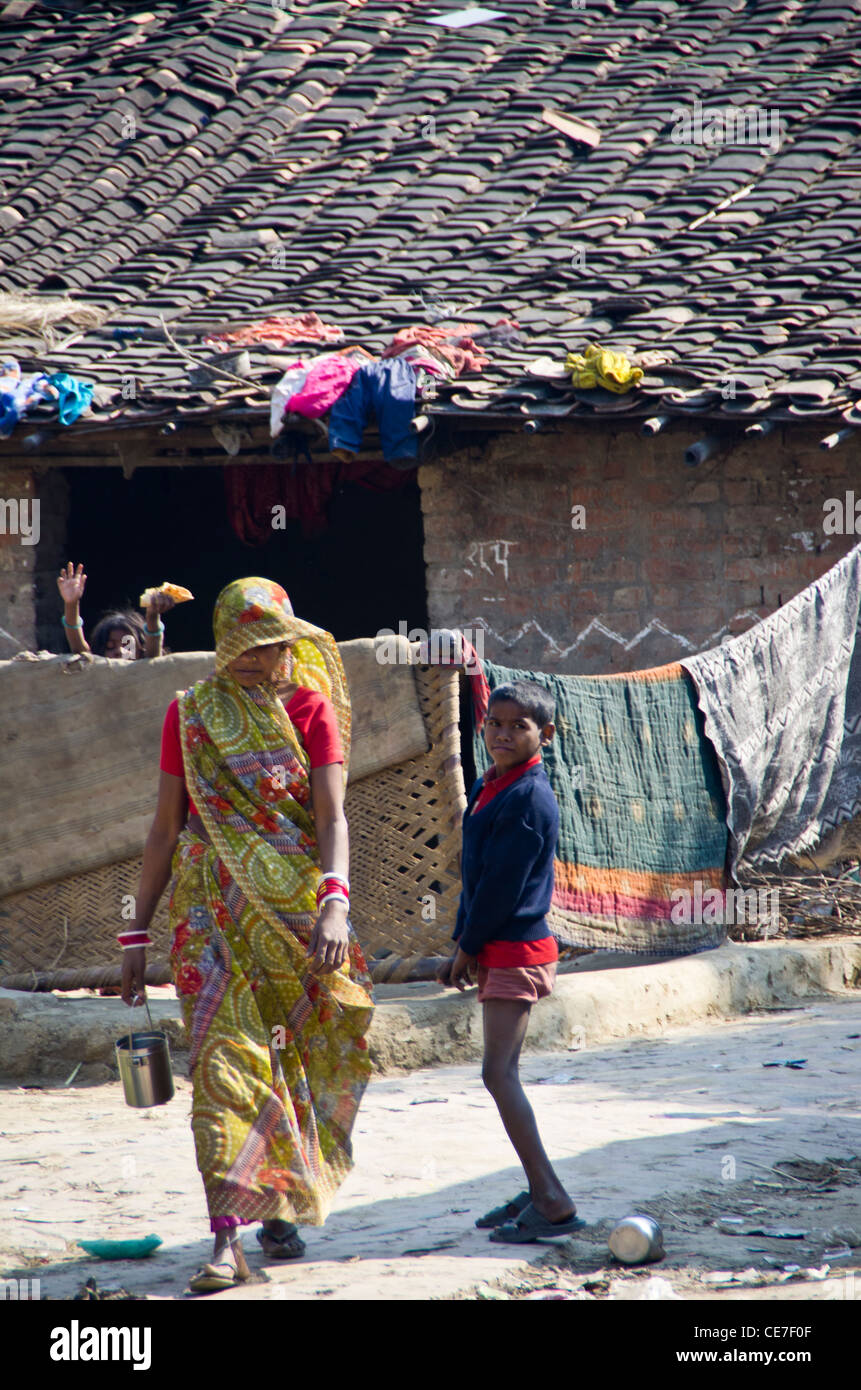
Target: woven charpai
405, 831
405, 842
73, 924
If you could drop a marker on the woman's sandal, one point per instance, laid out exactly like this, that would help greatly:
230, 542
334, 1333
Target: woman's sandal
507, 1212
289, 1246
212, 1278
222, 1274
530, 1225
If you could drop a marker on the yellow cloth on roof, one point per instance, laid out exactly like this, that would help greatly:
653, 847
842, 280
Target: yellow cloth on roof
599, 366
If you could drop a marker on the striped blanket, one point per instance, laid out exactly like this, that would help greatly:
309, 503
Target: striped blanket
642, 827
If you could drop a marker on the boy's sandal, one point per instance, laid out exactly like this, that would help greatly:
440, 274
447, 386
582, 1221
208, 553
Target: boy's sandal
287, 1247
212, 1278
530, 1225
507, 1212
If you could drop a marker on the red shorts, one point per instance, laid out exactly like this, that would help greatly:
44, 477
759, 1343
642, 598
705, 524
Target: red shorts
527, 982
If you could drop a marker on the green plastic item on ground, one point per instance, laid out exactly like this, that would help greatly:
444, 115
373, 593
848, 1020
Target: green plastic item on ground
121, 1249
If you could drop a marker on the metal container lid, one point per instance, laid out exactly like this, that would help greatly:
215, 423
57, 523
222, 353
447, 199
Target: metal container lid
142, 1042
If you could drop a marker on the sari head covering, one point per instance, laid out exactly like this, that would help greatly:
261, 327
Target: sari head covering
278, 1055
256, 613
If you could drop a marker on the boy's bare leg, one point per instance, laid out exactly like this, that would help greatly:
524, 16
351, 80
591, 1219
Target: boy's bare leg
505, 1024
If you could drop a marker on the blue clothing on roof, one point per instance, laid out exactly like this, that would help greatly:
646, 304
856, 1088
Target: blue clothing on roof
73, 396
386, 390
507, 864
18, 392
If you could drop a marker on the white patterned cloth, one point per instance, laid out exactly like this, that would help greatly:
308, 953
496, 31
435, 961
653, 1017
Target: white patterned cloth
782, 706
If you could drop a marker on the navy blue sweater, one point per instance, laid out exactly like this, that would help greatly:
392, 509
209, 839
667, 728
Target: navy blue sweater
507, 864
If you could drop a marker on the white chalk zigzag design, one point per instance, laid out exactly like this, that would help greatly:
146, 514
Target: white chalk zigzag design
558, 652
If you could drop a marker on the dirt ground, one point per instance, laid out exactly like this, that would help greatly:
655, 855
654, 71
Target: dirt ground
690, 1127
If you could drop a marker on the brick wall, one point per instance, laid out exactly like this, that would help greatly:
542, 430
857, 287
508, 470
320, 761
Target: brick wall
671, 560
17, 564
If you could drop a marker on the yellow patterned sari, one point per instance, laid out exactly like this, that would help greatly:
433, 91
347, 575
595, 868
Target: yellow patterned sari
279, 1057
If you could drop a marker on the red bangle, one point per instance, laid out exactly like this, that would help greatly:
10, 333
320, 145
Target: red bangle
329, 897
333, 883
130, 939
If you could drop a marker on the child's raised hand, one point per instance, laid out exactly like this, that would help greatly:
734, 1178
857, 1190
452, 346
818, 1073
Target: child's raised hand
71, 583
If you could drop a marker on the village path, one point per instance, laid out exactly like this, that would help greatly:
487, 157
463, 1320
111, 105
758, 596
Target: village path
687, 1125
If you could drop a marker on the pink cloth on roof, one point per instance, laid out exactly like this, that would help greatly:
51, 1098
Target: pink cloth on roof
453, 344
464, 356
430, 335
279, 330
429, 359
326, 383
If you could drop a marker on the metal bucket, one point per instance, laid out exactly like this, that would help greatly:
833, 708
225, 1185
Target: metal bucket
637, 1240
144, 1063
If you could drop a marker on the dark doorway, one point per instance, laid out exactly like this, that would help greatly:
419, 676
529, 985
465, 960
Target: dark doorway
363, 573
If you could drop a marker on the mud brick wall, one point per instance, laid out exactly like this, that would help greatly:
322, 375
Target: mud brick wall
18, 564
671, 561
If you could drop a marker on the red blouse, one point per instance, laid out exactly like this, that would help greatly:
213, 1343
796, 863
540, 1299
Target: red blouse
312, 715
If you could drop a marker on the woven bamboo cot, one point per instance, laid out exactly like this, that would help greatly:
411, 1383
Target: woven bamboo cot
405, 844
405, 831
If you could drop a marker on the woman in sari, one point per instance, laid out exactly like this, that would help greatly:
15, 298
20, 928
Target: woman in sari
275, 992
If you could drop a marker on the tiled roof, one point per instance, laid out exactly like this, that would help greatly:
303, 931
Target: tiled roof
402, 163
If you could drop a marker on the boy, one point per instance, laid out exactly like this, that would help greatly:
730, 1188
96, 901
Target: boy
509, 841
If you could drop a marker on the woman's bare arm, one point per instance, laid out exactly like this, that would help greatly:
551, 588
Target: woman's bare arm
164, 832
330, 938
327, 800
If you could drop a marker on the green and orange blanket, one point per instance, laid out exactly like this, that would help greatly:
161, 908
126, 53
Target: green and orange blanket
642, 826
